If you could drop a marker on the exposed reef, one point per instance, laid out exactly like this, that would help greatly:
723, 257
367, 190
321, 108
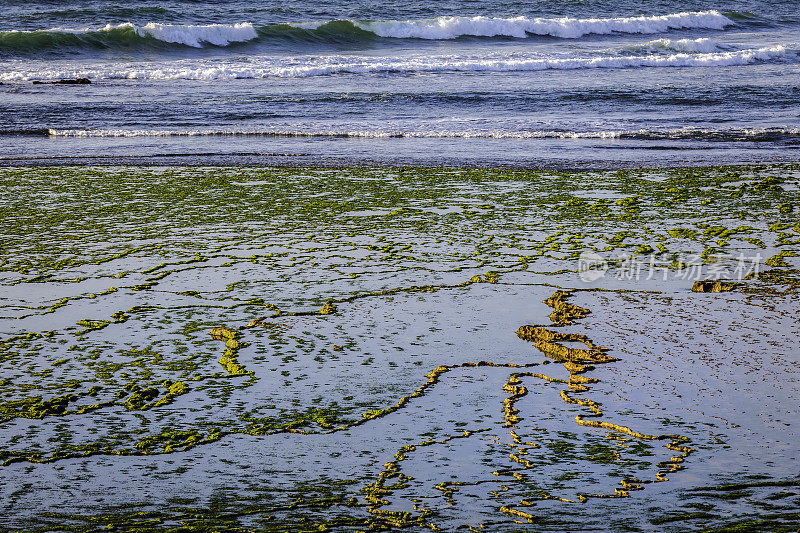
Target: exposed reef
158, 316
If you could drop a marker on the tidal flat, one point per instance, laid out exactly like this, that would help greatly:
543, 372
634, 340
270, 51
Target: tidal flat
323, 349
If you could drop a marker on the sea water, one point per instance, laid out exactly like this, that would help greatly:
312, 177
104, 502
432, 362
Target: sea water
556, 83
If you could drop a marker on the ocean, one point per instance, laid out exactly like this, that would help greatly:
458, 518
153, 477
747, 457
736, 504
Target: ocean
556, 84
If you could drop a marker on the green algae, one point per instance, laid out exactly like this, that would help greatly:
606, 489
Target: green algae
778, 260
172, 440
726, 487
707, 515
526, 227
314, 419
302, 512
680, 517
38, 408
577, 361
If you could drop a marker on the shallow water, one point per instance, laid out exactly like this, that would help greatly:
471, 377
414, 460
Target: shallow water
115, 277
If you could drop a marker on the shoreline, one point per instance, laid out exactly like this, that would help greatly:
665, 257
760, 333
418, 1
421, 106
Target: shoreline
218, 162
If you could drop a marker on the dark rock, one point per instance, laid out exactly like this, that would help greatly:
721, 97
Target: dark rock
710, 285
76, 81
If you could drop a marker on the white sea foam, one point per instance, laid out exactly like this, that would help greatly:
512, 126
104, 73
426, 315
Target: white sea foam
75, 31
686, 133
370, 134
309, 66
703, 45
565, 27
186, 34
216, 34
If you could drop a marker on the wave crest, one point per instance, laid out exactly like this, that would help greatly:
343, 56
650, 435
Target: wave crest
128, 35
196, 36
566, 27
703, 45
309, 66
729, 135
158, 35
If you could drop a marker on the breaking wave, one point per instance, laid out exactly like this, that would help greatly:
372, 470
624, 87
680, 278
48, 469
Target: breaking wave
566, 27
309, 66
156, 35
688, 46
127, 35
731, 135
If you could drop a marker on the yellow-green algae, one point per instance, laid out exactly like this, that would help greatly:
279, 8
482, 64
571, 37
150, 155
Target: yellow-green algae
527, 233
